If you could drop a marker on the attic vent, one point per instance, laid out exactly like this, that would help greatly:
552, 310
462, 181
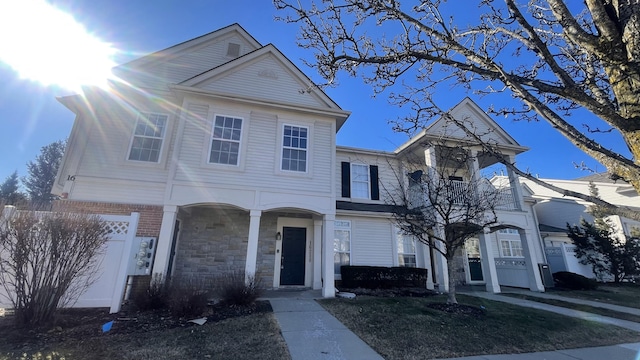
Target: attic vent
233, 50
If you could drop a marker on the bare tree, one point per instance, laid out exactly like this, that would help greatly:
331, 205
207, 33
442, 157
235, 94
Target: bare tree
557, 57
47, 260
446, 205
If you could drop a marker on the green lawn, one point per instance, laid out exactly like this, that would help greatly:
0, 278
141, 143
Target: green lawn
621, 294
405, 328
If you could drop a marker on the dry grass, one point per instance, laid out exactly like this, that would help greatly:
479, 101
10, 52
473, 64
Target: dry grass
406, 328
620, 294
241, 338
579, 307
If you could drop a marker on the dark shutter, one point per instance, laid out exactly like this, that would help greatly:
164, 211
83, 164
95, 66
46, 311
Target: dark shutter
346, 179
373, 176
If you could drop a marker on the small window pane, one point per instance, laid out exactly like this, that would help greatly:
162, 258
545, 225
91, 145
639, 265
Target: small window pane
294, 148
148, 136
225, 140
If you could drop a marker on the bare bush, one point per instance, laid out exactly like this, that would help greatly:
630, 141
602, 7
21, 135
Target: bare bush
47, 260
234, 290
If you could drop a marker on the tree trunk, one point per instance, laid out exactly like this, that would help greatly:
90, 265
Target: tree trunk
451, 298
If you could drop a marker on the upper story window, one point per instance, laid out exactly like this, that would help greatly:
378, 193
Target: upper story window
510, 243
225, 140
295, 142
148, 137
360, 181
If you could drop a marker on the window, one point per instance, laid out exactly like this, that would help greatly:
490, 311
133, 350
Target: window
294, 148
406, 250
359, 181
148, 137
341, 244
510, 244
225, 140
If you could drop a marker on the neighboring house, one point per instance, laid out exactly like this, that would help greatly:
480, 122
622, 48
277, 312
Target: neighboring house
554, 212
228, 153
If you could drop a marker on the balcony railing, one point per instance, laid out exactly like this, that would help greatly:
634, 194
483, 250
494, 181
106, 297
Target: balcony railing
463, 192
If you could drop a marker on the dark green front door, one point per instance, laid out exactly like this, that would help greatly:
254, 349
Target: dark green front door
294, 242
475, 269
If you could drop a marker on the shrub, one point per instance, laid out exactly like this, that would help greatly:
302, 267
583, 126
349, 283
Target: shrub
154, 298
234, 291
378, 277
188, 298
573, 281
47, 260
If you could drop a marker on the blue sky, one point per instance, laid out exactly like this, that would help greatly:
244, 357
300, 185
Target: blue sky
30, 116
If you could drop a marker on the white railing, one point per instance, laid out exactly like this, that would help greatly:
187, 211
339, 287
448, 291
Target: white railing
463, 192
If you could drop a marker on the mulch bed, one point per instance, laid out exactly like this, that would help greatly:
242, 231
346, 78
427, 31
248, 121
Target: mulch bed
75, 324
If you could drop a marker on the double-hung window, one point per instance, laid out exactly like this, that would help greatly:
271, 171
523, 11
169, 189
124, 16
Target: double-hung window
510, 243
148, 137
341, 244
295, 142
360, 181
406, 250
225, 140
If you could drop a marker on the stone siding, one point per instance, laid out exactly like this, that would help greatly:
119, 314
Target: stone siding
214, 242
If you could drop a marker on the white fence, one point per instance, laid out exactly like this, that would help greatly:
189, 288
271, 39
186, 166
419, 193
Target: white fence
108, 290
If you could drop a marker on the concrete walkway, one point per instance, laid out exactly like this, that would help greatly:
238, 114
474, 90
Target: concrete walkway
622, 309
312, 333
557, 309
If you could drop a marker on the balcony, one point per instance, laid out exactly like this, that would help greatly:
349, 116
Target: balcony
460, 193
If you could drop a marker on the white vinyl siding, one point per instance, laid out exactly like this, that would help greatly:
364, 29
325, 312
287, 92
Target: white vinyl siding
225, 140
294, 148
148, 137
372, 242
341, 245
360, 182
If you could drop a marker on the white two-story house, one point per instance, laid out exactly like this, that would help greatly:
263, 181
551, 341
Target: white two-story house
228, 153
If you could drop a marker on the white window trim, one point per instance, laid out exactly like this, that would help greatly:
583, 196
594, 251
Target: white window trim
282, 147
162, 146
346, 226
351, 179
399, 237
240, 142
510, 248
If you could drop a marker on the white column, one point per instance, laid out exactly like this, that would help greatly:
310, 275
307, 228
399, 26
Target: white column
252, 245
441, 263
424, 250
489, 271
535, 281
163, 248
328, 281
516, 189
317, 254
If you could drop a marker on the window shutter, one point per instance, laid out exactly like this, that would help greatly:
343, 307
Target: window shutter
346, 179
373, 177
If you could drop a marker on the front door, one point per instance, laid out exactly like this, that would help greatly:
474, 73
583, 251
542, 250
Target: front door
472, 247
294, 242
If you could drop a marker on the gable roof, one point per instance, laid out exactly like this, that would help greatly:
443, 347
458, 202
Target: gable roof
178, 49
475, 119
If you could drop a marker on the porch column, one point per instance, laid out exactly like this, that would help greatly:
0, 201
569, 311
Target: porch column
163, 248
474, 168
328, 278
531, 260
516, 189
430, 159
317, 254
252, 245
441, 264
489, 269
426, 261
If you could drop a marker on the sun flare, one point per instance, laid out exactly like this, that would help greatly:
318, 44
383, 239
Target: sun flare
44, 44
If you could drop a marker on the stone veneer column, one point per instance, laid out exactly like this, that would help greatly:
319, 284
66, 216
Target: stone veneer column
252, 245
163, 248
328, 277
